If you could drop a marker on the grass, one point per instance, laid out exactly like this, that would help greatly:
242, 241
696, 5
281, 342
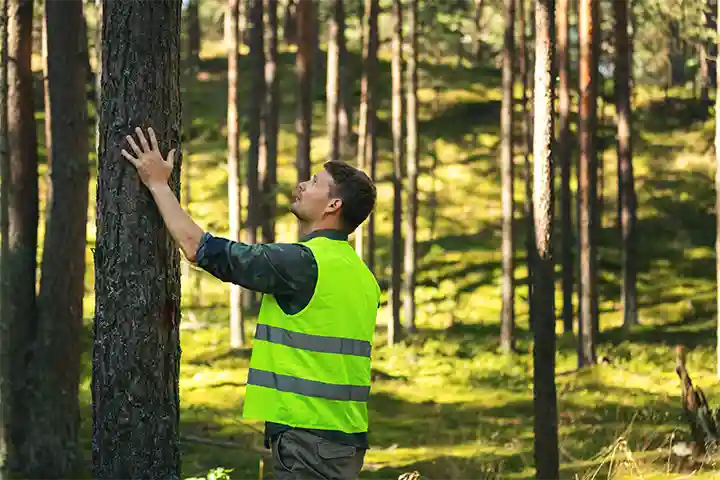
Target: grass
446, 403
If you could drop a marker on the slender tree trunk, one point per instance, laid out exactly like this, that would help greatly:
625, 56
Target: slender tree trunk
136, 349
51, 448
477, 41
367, 142
304, 62
237, 317
564, 155
194, 35
395, 326
19, 306
527, 147
545, 395
507, 340
255, 115
290, 22
5, 172
333, 82
623, 69
271, 124
411, 125
588, 183
347, 96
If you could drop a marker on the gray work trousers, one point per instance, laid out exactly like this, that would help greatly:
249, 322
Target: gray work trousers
299, 454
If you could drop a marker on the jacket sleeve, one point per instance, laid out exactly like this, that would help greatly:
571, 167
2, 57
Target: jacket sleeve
279, 269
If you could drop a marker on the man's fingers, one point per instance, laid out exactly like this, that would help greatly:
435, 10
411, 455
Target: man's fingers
143, 141
133, 145
153, 139
127, 155
171, 158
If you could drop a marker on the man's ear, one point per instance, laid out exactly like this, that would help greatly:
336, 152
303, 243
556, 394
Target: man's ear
334, 205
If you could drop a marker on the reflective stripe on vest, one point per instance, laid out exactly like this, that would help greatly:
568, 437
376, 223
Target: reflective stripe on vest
313, 343
309, 388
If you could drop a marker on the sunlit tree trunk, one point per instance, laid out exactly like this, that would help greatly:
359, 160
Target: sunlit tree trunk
304, 62
394, 326
587, 173
545, 395
271, 124
237, 320
507, 324
411, 125
332, 85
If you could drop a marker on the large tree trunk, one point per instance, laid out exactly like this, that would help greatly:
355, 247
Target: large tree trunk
237, 318
411, 125
564, 155
587, 185
395, 326
332, 85
52, 445
136, 350
507, 322
306, 13
367, 125
271, 124
545, 395
623, 69
19, 307
5, 172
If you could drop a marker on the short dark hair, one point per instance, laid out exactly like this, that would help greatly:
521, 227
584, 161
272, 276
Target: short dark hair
356, 190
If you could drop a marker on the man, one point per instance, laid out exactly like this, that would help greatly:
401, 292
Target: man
309, 376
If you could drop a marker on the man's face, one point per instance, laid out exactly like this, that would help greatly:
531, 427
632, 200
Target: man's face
313, 199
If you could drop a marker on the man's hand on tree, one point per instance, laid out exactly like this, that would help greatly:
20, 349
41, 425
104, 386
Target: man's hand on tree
153, 170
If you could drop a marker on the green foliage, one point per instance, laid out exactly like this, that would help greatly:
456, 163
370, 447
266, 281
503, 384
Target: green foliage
218, 473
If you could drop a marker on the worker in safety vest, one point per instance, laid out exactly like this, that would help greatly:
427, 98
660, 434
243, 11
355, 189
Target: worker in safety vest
309, 377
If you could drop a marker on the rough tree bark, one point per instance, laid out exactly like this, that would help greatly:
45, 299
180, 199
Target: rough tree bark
271, 124
367, 125
19, 305
237, 316
507, 321
54, 375
587, 184
623, 69
395, 326
544, 391
564, 156
136, 349
4, 250
411, 136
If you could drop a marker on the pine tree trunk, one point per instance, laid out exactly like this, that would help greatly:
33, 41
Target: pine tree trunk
527, 148
564, 155
544, 391
5, 180
304, 62
255, 115
194, 34
346, 91
623, 70
290, 22
411, 136
395, 326
332, 85
52, 445
237, 316
19, 305
136, 350
367, 125
271, 124
507, 322
587, 190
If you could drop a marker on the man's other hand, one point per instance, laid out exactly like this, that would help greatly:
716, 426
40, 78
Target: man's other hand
153, 170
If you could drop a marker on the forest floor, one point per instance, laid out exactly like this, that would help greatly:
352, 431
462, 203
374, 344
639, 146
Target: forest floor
446, 403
